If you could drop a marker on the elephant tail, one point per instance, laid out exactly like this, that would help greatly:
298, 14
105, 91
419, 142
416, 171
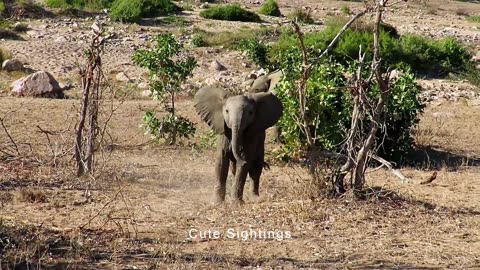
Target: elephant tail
266, 166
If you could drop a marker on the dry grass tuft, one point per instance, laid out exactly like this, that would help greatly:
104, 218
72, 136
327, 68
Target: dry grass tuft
32, 195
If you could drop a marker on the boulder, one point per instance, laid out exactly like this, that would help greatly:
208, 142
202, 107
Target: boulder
38, 84
12, 65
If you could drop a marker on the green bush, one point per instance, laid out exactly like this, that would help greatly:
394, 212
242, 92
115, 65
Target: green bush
232, 12
471, 18
126, 10
425, 56
256, 51
79, 4
198, 41
4, 55
133, 10
228, 39
301, 16
270, 8
20, 27
330, 107
169, 67
2, 8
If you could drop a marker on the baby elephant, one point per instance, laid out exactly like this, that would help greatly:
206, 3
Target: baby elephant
240, 122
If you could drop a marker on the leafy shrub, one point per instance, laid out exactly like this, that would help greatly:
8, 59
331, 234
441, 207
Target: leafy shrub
166, 128
232, 12
229, 39
301, 16
346, 10
4, 55
133, 10
474, 18
79, 4
330, 105
256, 51
2, 8
126, 10
198, 41
270, 8
169, 67
425, 56
20, 27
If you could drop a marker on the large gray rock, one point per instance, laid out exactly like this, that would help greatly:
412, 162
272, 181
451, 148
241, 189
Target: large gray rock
38, 84
12, 65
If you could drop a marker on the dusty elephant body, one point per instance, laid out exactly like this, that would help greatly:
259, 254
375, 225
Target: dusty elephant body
240, 122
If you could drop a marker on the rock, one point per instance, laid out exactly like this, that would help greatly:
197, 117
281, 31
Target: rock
143, 85
35, 34
210, 81
395, 74
122, 77
476, 57
217, 66
61, 39
473, 102
12, 65
40, 83
146, 93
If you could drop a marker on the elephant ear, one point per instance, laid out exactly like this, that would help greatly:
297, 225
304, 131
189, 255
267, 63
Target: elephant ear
208, 104
260, 84
274, 78
268, 110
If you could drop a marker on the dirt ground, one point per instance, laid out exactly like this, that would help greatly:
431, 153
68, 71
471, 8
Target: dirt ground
138, 213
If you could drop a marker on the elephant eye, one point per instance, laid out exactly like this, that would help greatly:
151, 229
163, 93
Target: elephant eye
226, 111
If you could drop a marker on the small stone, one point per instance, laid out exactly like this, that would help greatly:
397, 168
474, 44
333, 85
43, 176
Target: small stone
143, 85
217, 66
12, 65
146, 93
122, 77
61, 39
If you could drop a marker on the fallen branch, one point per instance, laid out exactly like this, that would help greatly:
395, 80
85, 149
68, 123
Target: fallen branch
389, 165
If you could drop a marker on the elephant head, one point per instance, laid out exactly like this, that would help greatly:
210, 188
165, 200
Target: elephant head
266, 83
243, 116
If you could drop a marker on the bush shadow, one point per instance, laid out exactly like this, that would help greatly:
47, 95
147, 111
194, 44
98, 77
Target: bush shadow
429, 158
389, 198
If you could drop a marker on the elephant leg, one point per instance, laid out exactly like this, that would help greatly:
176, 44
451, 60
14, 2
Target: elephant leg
221, 169
258, 165
233, 165
239, 182
255, 173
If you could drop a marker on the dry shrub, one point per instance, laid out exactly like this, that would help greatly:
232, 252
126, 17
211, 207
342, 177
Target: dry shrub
461, 12
4, 55
32, 195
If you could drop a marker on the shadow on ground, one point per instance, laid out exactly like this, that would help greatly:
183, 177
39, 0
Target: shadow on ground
426, 157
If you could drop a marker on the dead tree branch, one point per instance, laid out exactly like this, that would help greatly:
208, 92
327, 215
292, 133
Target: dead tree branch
92, 77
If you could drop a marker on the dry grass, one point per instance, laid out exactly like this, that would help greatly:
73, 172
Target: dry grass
163, 192
32, 195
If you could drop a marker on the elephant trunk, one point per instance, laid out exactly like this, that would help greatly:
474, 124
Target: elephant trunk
236, 143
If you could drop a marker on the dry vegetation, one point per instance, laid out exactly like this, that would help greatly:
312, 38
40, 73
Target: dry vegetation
137, 212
